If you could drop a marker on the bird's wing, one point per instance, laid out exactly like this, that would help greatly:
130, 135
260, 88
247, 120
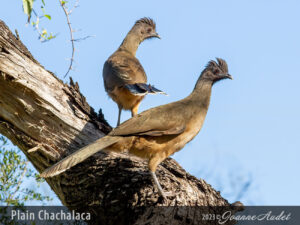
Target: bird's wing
163, 120
121, 69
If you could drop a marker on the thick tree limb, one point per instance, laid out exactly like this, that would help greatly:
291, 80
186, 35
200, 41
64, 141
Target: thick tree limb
48, 120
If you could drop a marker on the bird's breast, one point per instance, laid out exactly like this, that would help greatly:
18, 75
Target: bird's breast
123, 97
151, 146
191, 131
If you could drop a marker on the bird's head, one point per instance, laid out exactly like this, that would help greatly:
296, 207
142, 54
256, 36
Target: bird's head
216, 71
145, 28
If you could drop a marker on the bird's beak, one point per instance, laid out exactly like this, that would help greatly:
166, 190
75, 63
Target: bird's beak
156, 35
228, 76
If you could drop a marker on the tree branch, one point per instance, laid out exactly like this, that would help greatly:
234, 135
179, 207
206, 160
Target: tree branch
48, 120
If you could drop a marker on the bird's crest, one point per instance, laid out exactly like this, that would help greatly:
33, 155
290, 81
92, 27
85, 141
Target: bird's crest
221, 64
146, 20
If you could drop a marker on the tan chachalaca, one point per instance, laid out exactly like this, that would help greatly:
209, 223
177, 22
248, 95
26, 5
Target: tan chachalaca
159, 132
123, 75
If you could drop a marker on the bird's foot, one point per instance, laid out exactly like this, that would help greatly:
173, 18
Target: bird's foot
162, 194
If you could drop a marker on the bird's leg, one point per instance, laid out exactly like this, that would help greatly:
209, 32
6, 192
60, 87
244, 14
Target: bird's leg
134, 109
153, 163
160, 190
119, 115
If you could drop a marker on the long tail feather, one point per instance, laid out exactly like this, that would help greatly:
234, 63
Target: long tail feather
79, 156
142, 89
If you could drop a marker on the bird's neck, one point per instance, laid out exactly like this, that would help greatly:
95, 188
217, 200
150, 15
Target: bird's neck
130, 43
201, 93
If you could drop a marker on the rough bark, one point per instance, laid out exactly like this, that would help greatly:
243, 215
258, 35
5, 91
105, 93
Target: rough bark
48, 120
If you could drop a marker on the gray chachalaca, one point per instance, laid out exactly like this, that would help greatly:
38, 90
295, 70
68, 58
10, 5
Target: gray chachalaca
123, 75
159, 132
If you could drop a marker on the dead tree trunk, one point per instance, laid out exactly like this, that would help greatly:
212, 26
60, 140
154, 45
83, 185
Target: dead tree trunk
48, 120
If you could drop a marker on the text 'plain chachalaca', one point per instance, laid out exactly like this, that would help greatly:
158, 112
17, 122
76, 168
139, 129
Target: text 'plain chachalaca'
159, 132
123, 75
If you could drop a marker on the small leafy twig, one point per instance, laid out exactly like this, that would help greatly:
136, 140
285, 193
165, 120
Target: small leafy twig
67, 13
19, 183
42, 34
14, 170
28, 10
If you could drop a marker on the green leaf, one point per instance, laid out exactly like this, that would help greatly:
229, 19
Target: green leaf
47, 16
43, 9
51, 36
43, 2
27, 7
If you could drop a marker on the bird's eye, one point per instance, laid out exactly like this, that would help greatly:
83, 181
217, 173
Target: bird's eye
216, 71
149, 30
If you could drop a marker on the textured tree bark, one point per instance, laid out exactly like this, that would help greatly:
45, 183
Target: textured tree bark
48, 120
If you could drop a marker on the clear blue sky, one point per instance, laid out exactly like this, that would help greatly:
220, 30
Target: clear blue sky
252, 126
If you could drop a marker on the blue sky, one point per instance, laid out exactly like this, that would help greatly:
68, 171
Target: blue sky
252, 127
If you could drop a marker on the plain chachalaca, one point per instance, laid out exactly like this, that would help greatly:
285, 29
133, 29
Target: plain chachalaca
123, 75
159, 132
